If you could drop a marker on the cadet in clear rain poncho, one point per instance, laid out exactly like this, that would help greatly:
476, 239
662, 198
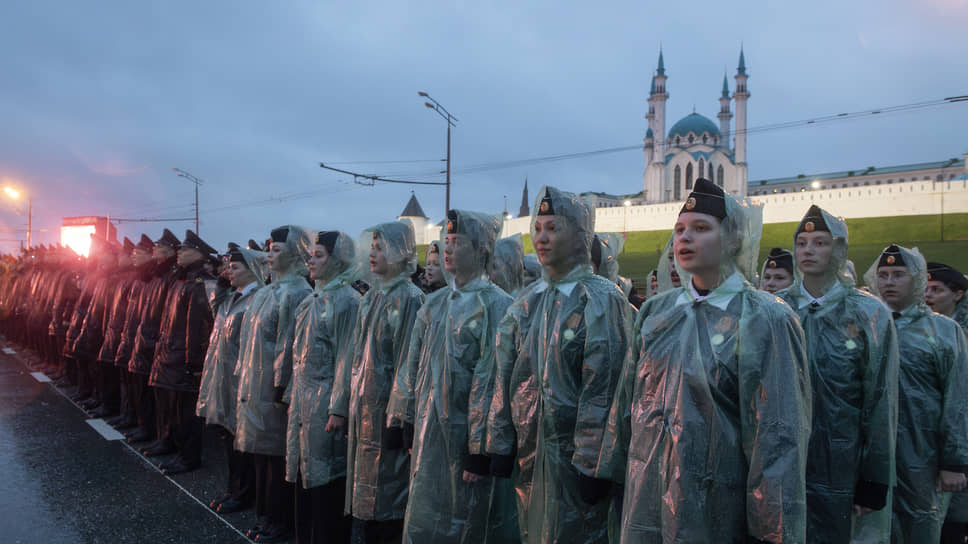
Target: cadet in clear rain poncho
710, 424
777, 271
218, 393
443, 390
852, 348
606, 247
932, 430
945, 295
668, 275
508, 268
559, 353
265, 369
377, 471
316, 451
946, 291
433, 274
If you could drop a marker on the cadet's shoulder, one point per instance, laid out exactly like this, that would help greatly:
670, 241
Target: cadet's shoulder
943, 325
865, 301
597, 286
437, 297
767, 304
659, 302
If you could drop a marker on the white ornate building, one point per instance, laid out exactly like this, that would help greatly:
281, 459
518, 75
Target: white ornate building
694, 147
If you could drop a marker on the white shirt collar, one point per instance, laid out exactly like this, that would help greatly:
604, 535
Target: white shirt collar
719, 297
248, 288
566, 288
808, 299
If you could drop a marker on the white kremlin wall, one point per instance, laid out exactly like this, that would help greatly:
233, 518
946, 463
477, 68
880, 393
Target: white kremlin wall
910, 198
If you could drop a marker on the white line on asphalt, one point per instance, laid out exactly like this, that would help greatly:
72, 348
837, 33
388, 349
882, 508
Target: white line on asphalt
40, 377
9, 351
105, 430
109, 433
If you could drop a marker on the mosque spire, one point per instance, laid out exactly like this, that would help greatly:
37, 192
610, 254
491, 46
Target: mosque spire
741, 69
725, 86
660, 71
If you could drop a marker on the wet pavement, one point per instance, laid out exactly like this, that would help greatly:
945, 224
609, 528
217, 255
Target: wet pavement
61, 481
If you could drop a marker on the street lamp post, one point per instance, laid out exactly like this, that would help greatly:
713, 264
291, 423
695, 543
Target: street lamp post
15, 194
183, 174
451, 121
626, 204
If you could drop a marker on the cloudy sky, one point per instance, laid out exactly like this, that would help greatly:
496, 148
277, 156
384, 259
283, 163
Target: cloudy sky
100, 100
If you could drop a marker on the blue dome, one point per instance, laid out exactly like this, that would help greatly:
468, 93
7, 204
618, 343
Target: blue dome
694, 123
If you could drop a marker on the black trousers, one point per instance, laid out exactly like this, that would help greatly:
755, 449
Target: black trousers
241, 480
319, 514
128, 404
108, 385
185, 429
953, 532
143, 397
85, 381
273, 494
383, 532
164, 401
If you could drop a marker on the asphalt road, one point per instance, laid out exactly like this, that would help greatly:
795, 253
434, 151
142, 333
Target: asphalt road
62, 481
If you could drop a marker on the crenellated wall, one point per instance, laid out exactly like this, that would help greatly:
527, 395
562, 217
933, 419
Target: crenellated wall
912, 198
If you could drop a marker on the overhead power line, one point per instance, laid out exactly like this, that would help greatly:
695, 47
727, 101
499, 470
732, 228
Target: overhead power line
373, 179
812, 121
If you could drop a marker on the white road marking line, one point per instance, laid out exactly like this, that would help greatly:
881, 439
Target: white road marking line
105, 430
40, 377
9, 351
109, 433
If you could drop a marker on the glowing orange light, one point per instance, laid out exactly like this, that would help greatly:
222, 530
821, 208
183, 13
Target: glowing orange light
78, 238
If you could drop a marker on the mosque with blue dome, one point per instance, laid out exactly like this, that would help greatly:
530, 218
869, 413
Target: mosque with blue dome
695, 147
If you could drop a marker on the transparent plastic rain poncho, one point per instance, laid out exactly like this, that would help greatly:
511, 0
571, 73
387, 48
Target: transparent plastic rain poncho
265, 350
323, 341
378, 477
958, 511
508, 270
932, 430
443, 390
710, 423
532, 269
664, 271
611, 244
218, 393
852, 349
559, 353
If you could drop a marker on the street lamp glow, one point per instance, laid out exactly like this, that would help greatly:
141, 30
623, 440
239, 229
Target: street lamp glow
815, 184
11, 192
627, 203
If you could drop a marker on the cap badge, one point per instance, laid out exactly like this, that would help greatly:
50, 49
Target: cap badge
890, 259
450, 226
809, 226
544, 207
690, 203
929, 276
772, 264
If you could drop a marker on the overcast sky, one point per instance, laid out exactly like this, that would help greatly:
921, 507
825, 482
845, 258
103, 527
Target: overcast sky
100, 100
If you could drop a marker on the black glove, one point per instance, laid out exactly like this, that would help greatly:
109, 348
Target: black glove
870, 495
592, 490
392, 438
478, 464
280, 392
408, 435
502, 465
